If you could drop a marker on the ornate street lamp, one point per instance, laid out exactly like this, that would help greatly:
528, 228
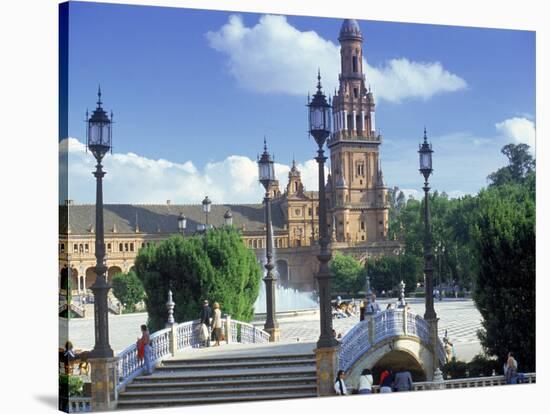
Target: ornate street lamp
319, 129
425, 156
228, 218
266, 175
182, 223
98, 141
206, 204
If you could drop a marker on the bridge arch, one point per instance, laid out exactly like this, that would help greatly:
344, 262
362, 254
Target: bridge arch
396, 339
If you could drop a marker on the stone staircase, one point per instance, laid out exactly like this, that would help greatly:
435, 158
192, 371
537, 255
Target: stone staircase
211, 379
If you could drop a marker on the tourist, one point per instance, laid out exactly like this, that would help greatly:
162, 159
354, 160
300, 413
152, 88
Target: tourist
402, 381
217, 324
365, 382
386, 381
373, 307
205, 316
511, 369
144, 350
339, 384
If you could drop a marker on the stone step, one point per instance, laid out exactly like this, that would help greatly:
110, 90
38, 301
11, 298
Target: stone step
210, 360
251, 389
237, 373
165, 402
220, 364
216, 382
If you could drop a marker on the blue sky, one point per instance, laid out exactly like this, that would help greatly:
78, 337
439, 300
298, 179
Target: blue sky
194, 92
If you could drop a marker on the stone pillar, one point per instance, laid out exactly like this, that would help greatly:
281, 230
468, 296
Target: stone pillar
327, 366
434, 342
370, 319
104, 380
227, 329
438, 382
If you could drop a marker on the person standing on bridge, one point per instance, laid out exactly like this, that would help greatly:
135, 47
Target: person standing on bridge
144, 343
372, 307
205, 316
217, 324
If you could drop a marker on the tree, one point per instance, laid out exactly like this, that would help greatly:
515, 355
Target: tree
215, 266
128, 289
520, 164
503, 238
347, 273
386, 272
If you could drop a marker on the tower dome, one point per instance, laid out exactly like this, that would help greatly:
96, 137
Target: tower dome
350, 30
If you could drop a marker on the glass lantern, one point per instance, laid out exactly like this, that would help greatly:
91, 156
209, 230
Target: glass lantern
266, 168
206, 203
425, 157
99, 131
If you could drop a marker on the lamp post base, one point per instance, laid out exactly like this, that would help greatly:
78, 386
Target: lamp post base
327, 366
274, 334
104, 379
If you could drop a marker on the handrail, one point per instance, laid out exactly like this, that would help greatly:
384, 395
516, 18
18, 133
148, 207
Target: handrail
187, 335
529, 378
380, 326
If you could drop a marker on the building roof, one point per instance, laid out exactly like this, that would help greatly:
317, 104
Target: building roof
350, 30
163, 218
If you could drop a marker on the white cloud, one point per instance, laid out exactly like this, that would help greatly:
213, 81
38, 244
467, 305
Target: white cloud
275, 57
400, 79
132, 178
519, 130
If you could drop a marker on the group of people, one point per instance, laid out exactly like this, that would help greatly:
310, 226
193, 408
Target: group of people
210, 324
389, 382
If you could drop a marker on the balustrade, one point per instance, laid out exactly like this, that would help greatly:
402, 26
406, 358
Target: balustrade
187, 336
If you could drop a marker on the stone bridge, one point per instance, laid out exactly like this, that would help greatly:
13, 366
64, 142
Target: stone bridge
394, 338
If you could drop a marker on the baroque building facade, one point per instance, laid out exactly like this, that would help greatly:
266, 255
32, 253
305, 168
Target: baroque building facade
357, 201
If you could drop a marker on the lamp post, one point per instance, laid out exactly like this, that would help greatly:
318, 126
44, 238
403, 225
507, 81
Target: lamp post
98, 141
182, 223
425, 157
266, 174
206, 205
327, 345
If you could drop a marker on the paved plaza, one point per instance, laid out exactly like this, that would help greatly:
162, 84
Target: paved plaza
459, 317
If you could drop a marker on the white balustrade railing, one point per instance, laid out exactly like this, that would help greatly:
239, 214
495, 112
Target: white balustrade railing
380, 326
247, 334
80, 404
354, 344
130, 366
529, 378
187, 336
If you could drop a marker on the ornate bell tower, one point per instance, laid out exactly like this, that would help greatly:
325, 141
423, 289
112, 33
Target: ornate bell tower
358, 196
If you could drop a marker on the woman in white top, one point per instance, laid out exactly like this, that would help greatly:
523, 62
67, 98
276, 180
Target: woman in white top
339, 384
217, 323
365, 382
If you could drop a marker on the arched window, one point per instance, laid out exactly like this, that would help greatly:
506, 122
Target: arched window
62, 247
255, 243
131, 247
354, 63
120, 247
295, 186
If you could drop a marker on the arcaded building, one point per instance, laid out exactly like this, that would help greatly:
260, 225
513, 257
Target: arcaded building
357, 200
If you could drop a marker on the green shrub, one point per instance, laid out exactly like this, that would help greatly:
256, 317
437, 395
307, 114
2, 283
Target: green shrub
482, 366
455, 369
70, 385
129, 290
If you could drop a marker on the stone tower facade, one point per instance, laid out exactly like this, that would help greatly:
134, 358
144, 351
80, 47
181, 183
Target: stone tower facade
356, 192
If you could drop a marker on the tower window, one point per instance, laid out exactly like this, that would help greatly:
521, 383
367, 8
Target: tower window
62, 247
362, 225
296, 187
297, 212
310, 211
109, 247
354, 63
355, 92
